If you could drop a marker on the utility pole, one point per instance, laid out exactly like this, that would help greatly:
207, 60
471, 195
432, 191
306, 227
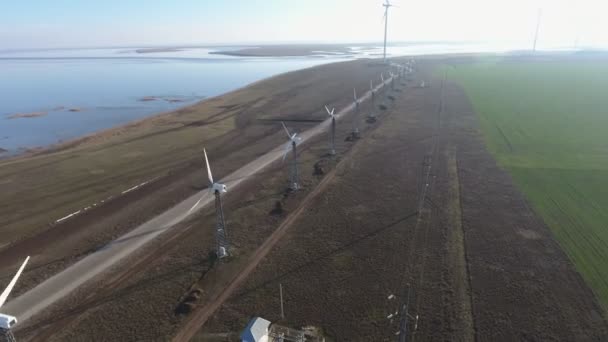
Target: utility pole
281, 295
386, 6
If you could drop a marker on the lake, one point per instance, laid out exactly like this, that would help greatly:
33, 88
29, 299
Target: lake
48, 97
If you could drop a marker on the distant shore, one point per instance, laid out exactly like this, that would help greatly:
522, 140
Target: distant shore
288, 51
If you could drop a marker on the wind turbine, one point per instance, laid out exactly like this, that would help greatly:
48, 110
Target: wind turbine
356, 118
8, 321
293, 142
386, 5
392, 80
540, 14
332, 140
221, 246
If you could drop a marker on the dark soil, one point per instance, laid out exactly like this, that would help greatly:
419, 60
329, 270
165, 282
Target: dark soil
416, 205
374, 232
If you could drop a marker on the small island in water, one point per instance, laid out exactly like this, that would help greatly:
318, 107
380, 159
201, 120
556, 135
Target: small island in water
26, 115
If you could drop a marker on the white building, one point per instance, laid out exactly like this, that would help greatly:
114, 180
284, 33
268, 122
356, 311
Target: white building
256, 331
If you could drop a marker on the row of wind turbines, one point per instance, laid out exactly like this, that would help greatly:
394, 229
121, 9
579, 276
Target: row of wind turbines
222, 244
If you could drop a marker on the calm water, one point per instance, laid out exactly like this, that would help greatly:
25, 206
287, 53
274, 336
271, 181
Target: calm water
75, 92
83, 94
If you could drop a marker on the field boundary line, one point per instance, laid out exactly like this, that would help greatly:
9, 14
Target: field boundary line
457, 249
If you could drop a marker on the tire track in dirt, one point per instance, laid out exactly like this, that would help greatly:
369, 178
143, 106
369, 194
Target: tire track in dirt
456, 252
428, 184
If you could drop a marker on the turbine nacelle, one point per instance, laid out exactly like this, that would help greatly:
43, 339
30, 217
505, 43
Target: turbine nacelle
221, 188
7, 321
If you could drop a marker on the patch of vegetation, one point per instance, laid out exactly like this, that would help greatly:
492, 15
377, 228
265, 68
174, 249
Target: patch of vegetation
545, 122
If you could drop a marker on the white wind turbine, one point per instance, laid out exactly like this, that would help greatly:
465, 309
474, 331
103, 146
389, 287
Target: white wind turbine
221, 247
332, 137
292, 144
386, 6
8, 321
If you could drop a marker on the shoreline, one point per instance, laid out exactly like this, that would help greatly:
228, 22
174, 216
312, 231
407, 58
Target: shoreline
85, 140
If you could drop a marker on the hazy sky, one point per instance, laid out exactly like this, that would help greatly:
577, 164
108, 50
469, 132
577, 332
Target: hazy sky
77, 23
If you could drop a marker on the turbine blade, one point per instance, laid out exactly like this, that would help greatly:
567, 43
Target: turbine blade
286, 130
371, 85
209, 175
328, 112
355, 93
195, 205
10, 286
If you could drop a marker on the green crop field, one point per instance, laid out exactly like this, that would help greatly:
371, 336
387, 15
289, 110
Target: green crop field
547, 124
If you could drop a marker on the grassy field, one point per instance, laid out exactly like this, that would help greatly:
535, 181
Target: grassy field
545, 122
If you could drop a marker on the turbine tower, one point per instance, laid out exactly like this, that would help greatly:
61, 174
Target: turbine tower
293, 142
356, 118
221, 240
538, 18
7, 321
386, 5
332, 137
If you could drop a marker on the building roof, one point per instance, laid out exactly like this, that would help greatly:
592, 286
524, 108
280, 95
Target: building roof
256, 330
